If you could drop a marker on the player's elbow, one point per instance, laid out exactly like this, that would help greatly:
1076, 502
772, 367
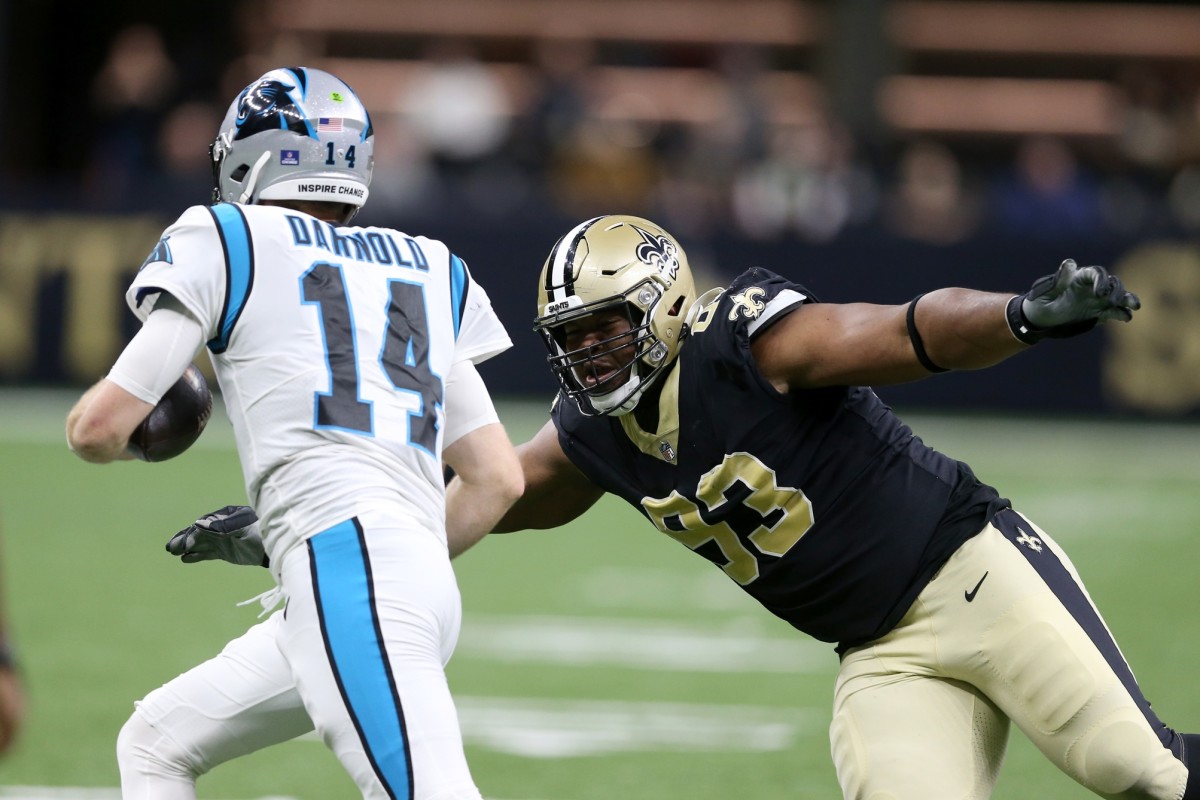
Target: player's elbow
95, 440
514, 485
507, 482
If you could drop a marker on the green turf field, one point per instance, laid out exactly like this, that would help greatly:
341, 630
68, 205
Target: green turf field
599, 661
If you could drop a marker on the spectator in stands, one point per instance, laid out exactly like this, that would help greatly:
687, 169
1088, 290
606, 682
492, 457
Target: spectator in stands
185, 168
1183, 199
457, 108
929, 200
1045, 194
558, 108
610, 161
703, 158
809, 184
130, 95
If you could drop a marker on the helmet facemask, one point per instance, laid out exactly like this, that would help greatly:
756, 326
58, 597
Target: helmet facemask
619, 361
612, 302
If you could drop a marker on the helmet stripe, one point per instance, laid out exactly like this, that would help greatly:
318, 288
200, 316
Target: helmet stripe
560, 282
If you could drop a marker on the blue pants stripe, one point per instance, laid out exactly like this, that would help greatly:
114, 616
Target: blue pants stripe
342, 588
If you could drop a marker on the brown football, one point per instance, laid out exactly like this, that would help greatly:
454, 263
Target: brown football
176, 422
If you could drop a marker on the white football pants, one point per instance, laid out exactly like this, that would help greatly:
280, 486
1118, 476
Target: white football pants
358, 653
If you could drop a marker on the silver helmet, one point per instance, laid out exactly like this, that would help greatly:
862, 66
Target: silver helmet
296, 133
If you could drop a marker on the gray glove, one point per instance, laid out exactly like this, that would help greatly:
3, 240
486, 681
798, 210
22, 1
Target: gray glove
1068, 303
227, 534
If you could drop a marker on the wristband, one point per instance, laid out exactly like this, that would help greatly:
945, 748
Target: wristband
1021, 327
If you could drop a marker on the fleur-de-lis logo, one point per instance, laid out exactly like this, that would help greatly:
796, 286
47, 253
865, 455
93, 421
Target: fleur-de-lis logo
658, 252
747, 303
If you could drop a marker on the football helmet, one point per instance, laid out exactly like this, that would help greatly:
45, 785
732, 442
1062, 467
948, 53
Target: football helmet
296, 133
614, 263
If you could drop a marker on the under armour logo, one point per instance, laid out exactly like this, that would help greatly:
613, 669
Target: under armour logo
1032, 542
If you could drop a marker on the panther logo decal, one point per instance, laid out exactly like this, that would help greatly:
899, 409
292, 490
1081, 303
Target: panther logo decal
658, 251
161, 252
268, 105
747, 303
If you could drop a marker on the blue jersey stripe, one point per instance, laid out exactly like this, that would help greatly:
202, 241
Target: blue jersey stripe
239, 269
342, 587
459, 280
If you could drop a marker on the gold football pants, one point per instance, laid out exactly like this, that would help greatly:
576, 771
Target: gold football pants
1005, 631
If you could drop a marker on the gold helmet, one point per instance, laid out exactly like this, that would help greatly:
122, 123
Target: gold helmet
614, 263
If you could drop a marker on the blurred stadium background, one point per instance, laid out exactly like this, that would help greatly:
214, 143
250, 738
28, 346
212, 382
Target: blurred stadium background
869, 149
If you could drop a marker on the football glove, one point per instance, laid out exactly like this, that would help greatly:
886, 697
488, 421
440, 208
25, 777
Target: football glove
227, 534
1068, 303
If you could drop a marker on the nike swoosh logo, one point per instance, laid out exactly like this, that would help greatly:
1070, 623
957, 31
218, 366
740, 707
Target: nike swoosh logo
971, 594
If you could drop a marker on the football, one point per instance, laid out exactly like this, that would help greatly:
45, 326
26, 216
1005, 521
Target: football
176, 422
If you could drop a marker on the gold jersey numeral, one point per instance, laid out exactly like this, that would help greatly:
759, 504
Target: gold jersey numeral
738, 504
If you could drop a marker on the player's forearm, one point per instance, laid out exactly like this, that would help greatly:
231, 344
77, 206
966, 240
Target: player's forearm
473, 509
965, 329
488, 481
94, 433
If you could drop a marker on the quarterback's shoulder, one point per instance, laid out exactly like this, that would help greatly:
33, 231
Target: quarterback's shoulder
194, 217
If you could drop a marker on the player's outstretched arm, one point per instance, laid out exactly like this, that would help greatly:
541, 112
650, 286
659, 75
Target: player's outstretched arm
556, 492
487, 482
858, 343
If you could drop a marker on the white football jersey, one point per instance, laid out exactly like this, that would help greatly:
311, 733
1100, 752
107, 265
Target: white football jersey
330, 345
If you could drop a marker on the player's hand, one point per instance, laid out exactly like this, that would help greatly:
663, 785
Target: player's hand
227, 534
1070, 302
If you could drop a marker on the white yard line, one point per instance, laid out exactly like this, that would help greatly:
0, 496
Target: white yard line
639, 644
540, 728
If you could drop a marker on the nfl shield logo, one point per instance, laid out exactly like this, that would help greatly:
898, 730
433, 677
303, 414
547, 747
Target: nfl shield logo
289, 158
668, 452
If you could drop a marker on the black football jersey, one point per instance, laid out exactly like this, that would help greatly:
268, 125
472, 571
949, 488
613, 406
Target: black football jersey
821, 504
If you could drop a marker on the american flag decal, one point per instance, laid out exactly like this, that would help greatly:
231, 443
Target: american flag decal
331, 124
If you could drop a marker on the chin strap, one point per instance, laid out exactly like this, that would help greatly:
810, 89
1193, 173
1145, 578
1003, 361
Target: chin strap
252, 177
621, 400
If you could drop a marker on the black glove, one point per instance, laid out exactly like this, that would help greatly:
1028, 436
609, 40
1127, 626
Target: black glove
1068, 303
227, 534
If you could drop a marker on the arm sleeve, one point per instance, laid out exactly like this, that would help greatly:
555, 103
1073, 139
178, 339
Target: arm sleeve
468, 404
159, 353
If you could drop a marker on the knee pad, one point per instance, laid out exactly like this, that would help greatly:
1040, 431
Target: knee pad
1123, 758
143, 750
